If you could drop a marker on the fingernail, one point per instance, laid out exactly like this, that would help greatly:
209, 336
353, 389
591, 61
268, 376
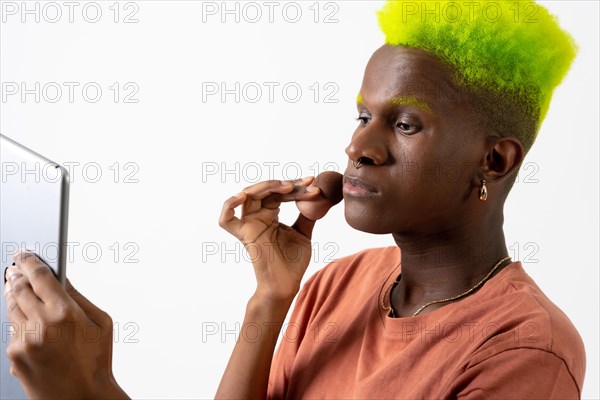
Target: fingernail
285, 183
312, 189
307, 179
240, 194
11, 271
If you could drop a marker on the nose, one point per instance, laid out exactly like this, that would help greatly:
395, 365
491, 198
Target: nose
368, 145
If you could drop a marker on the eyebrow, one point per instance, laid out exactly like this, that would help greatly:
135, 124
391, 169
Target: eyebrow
411, 101
403, 101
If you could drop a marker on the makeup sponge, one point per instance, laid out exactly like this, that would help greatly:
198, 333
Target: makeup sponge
330, 183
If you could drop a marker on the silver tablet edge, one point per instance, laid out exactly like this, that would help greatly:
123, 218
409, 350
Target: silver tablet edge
64, 212
64, 225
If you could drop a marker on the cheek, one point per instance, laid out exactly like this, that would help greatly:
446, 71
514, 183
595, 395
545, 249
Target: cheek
426, 178
432, 182
433, 166
424, 182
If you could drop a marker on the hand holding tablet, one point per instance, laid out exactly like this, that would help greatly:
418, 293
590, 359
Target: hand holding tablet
69, 356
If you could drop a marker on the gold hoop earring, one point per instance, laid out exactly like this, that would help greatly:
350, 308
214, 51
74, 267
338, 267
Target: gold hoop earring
357, 164
483, 193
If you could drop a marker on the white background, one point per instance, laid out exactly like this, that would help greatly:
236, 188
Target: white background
185, 284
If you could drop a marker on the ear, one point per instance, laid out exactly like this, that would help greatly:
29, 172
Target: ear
503, 157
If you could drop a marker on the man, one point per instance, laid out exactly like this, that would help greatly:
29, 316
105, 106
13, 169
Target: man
460, 87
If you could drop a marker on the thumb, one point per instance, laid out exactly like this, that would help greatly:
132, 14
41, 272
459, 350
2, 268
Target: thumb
99, 317
304, 226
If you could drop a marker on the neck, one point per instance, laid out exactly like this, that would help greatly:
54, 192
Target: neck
444, 264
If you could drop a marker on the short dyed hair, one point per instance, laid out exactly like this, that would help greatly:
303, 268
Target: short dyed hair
509, 55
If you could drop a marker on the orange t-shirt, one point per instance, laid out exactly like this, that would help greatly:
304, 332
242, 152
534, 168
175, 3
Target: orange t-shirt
505, 341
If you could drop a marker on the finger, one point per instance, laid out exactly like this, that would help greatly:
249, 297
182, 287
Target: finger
258, 192
14, 312
41, 278
304, 226
270, 194
19, 290
95, 314
252, 200
227, 219
298, 194
264, 188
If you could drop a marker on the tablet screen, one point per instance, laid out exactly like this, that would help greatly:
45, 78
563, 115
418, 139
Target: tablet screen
33, 215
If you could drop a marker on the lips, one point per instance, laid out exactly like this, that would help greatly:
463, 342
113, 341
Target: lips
357, 187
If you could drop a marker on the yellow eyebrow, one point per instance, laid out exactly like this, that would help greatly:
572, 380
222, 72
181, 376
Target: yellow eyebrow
402, 101
411, 101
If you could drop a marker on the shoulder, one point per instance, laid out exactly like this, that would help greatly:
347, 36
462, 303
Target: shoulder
519, 316
520, 373
365, 267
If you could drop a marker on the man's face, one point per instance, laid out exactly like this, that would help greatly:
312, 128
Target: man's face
418, 144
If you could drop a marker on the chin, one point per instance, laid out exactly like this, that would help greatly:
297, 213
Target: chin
365, 220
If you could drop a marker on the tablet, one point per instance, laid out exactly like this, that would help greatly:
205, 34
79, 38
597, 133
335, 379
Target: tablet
34, 194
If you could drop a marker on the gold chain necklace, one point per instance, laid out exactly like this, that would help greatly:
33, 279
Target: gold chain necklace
458, 296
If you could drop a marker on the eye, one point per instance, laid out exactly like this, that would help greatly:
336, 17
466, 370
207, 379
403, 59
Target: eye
407, 127
404, 127
363, 119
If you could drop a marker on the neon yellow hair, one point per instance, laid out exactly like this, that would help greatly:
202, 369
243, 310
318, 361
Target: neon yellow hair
510, 48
